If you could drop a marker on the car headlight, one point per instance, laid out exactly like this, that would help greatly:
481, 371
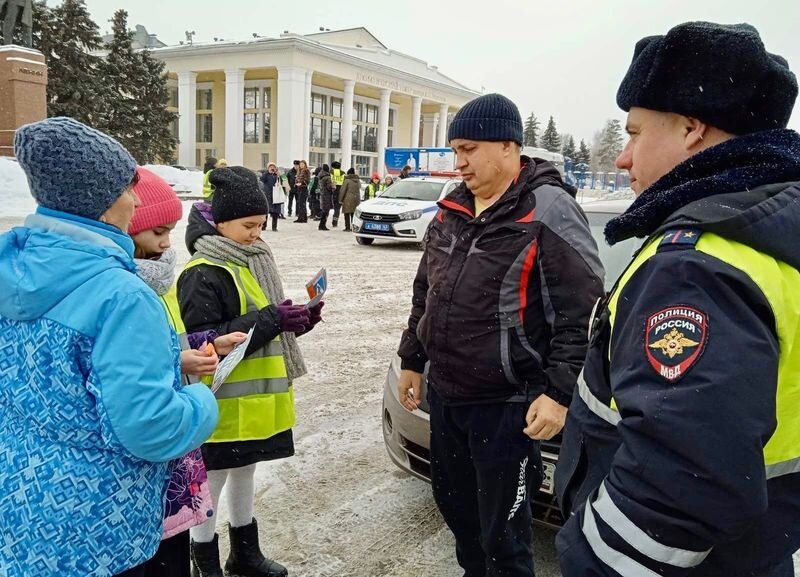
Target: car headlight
357, 213
410, 215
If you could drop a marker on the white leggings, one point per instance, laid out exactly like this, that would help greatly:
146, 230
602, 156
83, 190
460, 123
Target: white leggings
240, 494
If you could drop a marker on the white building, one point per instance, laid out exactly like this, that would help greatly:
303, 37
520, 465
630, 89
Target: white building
334, 95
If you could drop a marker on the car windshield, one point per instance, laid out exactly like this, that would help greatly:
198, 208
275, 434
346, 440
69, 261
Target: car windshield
614, 258
414, 190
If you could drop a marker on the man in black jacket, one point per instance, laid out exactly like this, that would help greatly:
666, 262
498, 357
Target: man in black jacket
501, 306
681, 452
291, 176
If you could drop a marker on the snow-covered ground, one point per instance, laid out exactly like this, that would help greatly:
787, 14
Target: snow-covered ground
339, 507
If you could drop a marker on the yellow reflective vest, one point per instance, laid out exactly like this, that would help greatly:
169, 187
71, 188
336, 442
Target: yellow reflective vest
337, 177
256, 401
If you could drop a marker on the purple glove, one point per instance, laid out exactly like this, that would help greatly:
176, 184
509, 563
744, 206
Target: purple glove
314, 317
292, 318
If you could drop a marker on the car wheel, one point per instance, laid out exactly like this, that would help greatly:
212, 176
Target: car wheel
364, 241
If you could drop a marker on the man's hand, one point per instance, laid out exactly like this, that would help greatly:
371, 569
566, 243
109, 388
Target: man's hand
225, 343
198, 363
545, 419
409, 389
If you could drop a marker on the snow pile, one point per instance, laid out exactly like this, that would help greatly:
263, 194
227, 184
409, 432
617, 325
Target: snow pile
182, 181
15, 196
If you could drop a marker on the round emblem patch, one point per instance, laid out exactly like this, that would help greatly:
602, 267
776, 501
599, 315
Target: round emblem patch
675, 339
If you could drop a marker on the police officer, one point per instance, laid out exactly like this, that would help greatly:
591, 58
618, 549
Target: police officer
337, 178
681, 453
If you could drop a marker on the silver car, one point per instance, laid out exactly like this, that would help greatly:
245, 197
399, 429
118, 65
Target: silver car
407, 434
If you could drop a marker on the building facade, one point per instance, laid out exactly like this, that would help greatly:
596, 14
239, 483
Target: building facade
339, 95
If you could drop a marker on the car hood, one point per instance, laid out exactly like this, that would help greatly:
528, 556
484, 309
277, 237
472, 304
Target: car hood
396, 205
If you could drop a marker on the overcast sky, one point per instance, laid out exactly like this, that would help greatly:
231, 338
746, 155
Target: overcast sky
563, 58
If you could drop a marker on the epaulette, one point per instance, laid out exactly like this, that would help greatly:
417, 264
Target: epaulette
679, 238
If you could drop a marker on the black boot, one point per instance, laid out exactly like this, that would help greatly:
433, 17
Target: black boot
323, 221
335, 222
246, 559
205, 559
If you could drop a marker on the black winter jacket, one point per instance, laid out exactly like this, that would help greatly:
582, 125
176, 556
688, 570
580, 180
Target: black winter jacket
502, 302
209, 300
326, 190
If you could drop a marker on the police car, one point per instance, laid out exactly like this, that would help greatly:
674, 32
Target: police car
403, 211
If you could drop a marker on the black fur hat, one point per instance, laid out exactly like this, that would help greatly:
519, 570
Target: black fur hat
720, 74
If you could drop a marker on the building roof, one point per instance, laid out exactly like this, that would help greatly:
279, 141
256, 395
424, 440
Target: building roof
357, 44
141, 39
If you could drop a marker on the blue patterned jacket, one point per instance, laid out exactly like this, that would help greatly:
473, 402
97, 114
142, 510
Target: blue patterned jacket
91, 408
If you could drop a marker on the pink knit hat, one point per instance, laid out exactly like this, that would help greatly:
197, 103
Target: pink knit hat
159, 204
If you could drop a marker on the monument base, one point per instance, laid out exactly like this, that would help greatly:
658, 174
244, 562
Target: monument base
23, 92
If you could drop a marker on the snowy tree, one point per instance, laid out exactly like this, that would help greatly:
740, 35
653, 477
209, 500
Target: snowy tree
568, 147
584, 155
531, 133
136, 109
550, 139
610, 145
66, 35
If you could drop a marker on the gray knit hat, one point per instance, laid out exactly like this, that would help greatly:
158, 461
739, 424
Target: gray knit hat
491, 117
73, 168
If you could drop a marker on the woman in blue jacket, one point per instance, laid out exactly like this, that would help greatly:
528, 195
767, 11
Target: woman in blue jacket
91, 407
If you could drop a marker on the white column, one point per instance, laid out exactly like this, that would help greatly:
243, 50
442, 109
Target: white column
234, 117
307, 118
416, 113
441, 141
187, 118
383, 129
429, 129
347, 124
291, 112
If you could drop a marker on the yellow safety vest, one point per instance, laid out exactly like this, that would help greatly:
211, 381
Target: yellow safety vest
779, 283
373, 189
208, 188
256, 401
337, 177
170, 302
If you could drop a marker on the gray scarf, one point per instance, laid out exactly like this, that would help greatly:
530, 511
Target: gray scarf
159, 274
259, 260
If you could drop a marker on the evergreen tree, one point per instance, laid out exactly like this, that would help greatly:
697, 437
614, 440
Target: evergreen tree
136, 110
610, 145
568, 148
550, 139
531, 132
584, 155
66, 35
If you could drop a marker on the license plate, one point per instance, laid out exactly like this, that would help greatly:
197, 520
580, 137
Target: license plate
379, 226
547, 481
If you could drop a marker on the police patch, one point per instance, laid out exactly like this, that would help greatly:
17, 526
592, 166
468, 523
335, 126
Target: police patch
674, 339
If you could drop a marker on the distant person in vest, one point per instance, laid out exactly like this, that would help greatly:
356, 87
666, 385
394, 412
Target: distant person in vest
211, 164
374, 187
232, 284
681, 452
89, 365
188, 500
337, 178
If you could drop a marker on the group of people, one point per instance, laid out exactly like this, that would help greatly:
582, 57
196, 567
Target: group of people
328, 191
677, 393
114, 449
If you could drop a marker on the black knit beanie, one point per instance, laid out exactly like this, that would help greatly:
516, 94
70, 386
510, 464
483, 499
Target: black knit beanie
720, 74
491, 117
236, 194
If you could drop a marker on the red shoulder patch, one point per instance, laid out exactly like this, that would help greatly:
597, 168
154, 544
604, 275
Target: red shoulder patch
675, 337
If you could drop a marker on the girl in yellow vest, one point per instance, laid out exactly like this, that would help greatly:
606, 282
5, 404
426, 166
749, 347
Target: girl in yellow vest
232, 284
188, 500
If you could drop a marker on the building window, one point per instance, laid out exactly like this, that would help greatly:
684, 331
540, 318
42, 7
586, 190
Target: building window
174, 127
264, 159
336, 134
251, 127
337, 105
205, 128
267, 97
358, 112
316, 159
371, 139
205, 99
372, 114
267, 125
251, 98
390, 138
318, 102
201, 155
363, 165
391, 118
173, 97
357, 142
317, 137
